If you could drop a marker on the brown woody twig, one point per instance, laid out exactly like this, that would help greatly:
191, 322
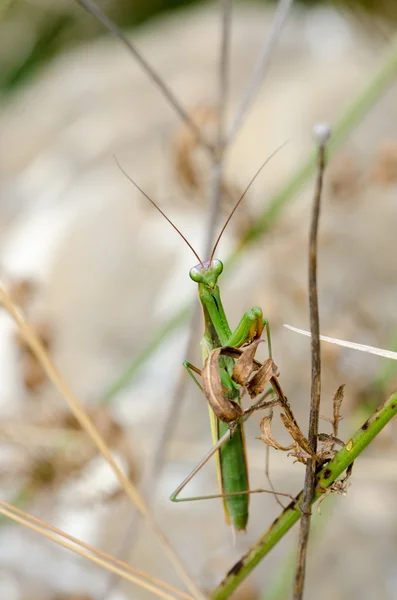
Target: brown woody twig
322, 134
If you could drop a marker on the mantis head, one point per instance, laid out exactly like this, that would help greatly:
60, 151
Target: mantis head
207, 272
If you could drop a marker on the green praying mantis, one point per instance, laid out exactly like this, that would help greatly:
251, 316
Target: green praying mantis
222, 350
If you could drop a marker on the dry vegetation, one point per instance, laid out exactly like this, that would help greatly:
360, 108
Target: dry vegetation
99, 275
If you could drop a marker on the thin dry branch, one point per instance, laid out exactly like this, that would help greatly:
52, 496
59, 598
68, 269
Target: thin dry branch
218, 157
223, 77
261, 67
86, 423
322, 135
175, 406
159, 82
103, 559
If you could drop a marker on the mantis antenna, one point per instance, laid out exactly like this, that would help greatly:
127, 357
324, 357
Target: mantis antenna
227, 220
241, 199
160, 211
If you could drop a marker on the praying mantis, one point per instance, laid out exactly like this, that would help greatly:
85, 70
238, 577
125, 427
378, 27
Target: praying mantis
226, 413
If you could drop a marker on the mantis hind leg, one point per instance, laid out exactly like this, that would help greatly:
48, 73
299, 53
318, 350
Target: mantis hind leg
221, 442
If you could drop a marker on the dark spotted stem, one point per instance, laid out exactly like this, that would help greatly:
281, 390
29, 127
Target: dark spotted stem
325, 477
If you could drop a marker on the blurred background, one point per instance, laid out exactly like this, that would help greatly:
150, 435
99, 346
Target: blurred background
103, 280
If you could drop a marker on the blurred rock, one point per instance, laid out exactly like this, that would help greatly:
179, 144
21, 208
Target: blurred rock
111, 271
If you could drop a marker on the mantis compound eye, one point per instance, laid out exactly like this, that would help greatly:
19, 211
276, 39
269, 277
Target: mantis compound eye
217, 265
196, 273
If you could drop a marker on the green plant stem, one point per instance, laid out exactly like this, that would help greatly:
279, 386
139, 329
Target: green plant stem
279, 587
353, 116
325, 477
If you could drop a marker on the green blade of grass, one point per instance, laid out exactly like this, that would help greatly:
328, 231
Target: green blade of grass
326, 476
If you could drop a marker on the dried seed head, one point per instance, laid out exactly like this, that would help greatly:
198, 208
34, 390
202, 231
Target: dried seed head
322, 133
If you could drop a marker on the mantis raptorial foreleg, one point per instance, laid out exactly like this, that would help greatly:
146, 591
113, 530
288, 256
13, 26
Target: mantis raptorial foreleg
250, 328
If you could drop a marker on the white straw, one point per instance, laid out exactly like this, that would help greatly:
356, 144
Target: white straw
353, 345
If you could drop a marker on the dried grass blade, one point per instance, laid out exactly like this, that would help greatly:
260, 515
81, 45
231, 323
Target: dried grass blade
337, 403
267, 435
86, 423
94, 555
